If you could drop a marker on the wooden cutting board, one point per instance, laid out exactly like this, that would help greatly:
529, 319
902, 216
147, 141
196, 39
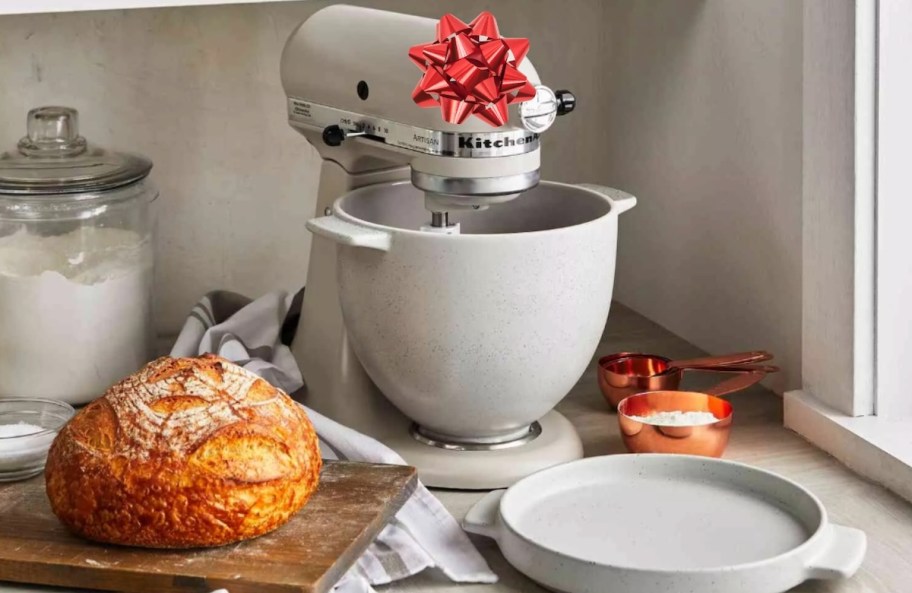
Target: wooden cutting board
307, 555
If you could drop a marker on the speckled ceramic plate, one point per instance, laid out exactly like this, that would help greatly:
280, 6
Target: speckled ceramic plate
669, 523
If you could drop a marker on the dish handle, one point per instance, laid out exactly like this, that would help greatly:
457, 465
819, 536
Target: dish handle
484, 517
841, 555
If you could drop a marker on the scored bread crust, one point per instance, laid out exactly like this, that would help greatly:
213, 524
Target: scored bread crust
187, 452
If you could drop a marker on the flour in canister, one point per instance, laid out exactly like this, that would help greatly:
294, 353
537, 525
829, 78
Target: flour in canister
75, 311
677, 418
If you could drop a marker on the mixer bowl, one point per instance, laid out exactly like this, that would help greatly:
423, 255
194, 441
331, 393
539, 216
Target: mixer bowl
475, 336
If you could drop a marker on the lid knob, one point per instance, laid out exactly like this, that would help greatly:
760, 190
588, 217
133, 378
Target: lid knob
52, 131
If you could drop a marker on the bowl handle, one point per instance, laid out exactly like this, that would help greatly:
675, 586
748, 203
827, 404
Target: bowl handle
620, 201
346, 233
483, 518
840, 555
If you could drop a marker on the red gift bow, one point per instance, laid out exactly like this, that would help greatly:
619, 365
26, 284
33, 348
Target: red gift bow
471, 69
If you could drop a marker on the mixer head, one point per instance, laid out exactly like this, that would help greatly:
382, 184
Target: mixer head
348, 80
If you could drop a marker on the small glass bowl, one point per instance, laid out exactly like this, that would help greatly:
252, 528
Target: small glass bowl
23, 456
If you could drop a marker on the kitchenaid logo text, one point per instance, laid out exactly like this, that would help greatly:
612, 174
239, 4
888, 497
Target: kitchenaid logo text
470, 142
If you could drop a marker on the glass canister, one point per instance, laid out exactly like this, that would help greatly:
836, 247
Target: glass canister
76, 262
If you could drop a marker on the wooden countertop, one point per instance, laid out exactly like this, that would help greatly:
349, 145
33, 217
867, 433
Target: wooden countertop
757, 438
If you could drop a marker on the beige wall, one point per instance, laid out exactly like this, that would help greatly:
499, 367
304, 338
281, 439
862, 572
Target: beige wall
702, 121
197, 90
692, 105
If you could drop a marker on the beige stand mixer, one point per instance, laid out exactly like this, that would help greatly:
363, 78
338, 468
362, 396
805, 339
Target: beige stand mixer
452, 298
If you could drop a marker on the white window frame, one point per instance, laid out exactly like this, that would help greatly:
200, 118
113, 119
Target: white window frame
856, 400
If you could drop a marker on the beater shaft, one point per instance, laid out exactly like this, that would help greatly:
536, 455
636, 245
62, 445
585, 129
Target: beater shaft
440, 219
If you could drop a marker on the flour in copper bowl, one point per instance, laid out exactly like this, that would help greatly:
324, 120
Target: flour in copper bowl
677, 418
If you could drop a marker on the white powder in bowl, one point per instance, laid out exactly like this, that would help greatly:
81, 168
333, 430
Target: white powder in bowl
25, 451
677, 418
75, 311
17, 430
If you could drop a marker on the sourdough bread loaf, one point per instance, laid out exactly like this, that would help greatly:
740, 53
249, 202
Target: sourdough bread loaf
187, 452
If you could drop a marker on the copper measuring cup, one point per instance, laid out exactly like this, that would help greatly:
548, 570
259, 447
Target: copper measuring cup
708, 440
626, 373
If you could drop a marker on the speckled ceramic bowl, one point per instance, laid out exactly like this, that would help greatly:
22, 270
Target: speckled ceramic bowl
477, 335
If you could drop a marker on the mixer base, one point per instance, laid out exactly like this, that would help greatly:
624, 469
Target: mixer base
488, 469
517, 439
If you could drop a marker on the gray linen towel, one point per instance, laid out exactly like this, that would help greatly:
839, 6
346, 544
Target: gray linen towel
423, 534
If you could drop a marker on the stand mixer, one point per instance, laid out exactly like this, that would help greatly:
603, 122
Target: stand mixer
406, 281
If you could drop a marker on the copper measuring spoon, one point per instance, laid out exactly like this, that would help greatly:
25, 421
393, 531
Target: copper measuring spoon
653, 364
623, 374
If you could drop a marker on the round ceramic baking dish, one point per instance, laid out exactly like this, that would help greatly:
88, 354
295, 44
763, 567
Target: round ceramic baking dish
669, 523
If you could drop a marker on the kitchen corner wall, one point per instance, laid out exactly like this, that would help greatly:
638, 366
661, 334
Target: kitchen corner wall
701, 119
694, 106
197, 89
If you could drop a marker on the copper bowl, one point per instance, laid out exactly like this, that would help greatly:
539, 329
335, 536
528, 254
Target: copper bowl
626, 373
708, 440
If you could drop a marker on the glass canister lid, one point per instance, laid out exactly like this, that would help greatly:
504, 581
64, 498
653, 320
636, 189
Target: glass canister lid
54, 159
